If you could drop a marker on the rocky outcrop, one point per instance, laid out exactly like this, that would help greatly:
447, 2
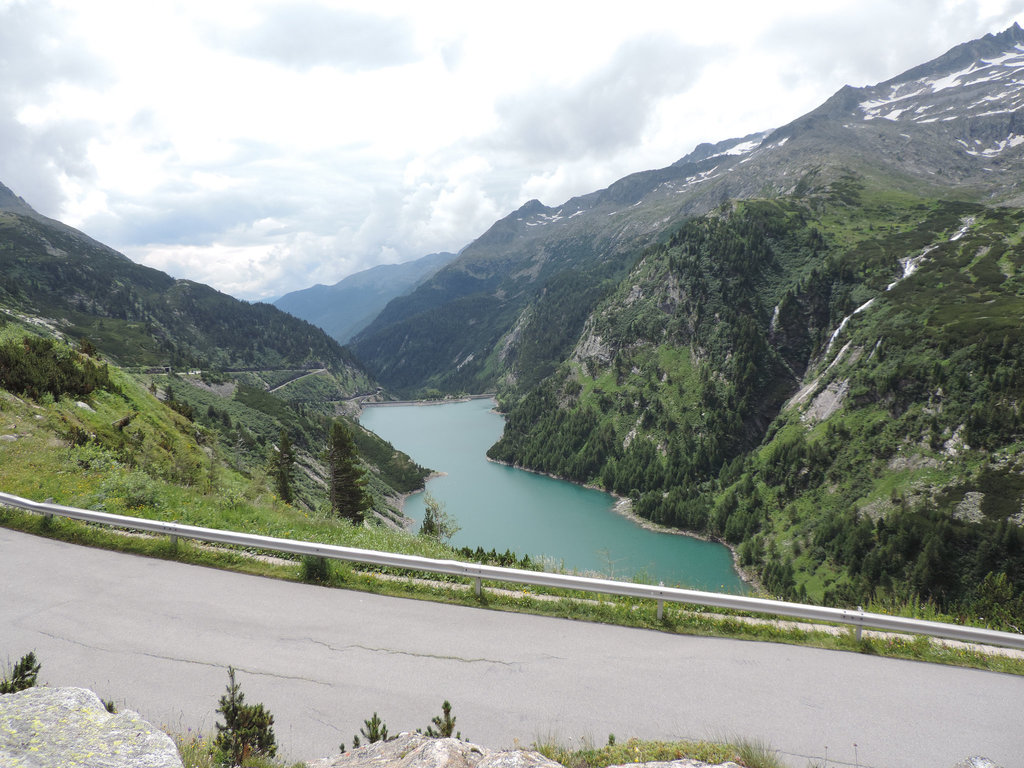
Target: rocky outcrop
70, 727
414, 750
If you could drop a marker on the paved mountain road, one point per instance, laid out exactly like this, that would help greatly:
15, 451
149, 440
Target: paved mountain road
158, 637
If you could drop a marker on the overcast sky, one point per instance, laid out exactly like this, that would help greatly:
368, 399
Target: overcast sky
263, 147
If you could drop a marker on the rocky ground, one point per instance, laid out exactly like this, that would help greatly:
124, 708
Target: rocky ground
71, 728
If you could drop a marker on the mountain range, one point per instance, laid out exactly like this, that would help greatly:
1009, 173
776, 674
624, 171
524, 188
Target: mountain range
139, 316
950, 127
806, 342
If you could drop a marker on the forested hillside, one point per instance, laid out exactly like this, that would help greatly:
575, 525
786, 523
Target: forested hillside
831, 382
229, 384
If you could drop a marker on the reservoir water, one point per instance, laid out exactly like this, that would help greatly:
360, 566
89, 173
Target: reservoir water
501, 508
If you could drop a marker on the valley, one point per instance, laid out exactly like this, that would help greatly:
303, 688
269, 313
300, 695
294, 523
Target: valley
561, 525
804, 342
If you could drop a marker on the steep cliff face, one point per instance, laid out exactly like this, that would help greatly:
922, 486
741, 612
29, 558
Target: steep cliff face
811, 378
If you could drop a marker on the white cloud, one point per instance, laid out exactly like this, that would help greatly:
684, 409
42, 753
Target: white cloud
306, 35
262, 146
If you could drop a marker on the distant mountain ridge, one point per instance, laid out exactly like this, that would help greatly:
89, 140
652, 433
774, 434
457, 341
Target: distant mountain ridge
970, 150
348, 306
139, 316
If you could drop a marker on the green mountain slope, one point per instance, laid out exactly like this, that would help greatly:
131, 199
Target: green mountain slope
831, 382
141, 316
239, 374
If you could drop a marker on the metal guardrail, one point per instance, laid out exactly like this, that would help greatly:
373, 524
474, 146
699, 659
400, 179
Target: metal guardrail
856, 618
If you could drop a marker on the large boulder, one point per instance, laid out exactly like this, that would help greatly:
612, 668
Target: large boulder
70, 727
414, 750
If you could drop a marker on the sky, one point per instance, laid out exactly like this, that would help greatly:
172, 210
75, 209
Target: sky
262, 147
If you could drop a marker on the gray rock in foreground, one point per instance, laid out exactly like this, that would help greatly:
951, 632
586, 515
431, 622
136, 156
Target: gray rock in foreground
414, 750
70, 727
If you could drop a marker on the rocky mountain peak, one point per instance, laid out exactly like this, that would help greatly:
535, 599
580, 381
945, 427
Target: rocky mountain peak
979, 79
13, 203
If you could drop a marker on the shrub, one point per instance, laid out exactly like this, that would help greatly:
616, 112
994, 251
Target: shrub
374, 729
437, 523
134, 490
315, 570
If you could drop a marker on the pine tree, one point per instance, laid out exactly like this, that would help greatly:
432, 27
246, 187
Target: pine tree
247, 729
348, 482
284, 464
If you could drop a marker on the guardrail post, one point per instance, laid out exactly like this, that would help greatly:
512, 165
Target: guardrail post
661, 603
478, 585
48, 515
174, 541
860, 627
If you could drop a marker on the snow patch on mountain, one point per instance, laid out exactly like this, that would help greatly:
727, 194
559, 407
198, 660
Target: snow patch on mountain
1013, 140
1002, 76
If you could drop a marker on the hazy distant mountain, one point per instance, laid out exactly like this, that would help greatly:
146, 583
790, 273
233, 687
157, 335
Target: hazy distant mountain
348, 306
952, 127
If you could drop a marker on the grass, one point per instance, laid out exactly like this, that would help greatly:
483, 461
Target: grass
747, 754
198, 751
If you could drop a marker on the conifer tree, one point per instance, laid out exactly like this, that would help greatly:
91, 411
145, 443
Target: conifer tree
284, 464
348, 482
247, 729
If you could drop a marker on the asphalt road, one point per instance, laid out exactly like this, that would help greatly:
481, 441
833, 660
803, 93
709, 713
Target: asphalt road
157, 637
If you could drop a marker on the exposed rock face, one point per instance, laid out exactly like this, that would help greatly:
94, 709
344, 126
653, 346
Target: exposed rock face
414, 750
70, 727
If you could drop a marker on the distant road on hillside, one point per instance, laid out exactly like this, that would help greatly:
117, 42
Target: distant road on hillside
158, 637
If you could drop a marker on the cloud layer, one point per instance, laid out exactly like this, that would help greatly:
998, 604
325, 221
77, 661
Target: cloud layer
262, 147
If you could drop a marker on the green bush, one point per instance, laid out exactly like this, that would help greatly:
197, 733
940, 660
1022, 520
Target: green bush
315, 570
38, 367
132, 490
22, 676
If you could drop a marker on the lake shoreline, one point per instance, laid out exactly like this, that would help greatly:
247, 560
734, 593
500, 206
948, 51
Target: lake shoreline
430, 433
401, 498
624, 507
419, 403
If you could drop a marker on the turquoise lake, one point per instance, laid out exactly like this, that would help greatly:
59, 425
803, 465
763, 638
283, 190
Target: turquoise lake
501, 508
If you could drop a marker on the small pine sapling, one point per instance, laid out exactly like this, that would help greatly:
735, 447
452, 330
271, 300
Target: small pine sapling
443, 725
247, 729
373, 730
22, 676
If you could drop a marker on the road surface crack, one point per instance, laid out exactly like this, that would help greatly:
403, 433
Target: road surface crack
181, 660
414, 654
